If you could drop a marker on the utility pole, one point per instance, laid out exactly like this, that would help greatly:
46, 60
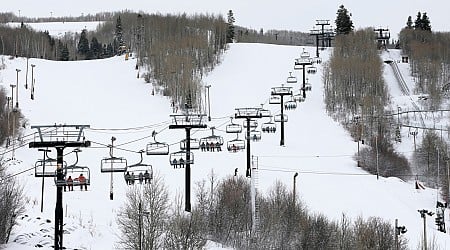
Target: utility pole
17, 90
281, 92
26, 75
64, 136
187, 122
376, 146
423, 214
249, 114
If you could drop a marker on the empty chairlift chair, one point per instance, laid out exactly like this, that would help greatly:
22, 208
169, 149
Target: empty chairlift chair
233, 128
291, 78
275, 99
47, 167
157, 148
113, 164
139, 173
279, 118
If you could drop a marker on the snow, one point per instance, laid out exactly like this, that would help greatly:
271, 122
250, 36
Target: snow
106, 95
59, 29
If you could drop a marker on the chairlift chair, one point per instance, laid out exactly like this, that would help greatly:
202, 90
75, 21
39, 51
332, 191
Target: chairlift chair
308, 86
113, 164
194, 144
139, 172
317, 60
233, 128
299, 97
157, 148
253, 124
291, 104
304, 54
235, 145
311, 70
178, 159
275, 99
255, 135
46, 168
212, 142
269, 127
291, 78
264, 112
74, 172
279, 118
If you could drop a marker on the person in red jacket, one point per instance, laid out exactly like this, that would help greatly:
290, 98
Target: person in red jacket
82, 181
69, 183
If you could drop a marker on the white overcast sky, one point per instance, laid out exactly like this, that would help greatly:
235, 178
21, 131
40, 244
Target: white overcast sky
296, 15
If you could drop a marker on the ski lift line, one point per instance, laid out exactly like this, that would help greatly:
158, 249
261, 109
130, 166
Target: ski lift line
151, 126
21, 145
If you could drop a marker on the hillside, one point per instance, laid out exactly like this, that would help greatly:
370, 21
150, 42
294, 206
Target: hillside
106, 95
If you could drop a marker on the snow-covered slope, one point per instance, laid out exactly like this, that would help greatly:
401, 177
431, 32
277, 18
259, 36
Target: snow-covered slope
107, 95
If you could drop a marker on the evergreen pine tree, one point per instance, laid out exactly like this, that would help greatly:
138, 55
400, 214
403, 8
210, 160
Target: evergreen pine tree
96, 48
118, 34
344, 24
83, 44
230, 27
409, 23
418, 21
64, 53
425, 22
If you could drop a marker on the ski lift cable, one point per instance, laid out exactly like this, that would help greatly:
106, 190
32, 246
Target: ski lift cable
151, 126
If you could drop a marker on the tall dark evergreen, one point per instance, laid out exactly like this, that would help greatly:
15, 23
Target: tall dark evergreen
118, 34
96, 48
64, 52
344, 24
83, 44
230, 27
409, 23
418, 21
426, 24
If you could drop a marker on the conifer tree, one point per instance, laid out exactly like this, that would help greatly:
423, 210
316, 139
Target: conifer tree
118, 34
418, 21
425, 22
344, 24
83, 44
230, 27
409, 23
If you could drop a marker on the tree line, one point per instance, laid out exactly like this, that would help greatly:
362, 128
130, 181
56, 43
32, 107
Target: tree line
222, 213
356, 95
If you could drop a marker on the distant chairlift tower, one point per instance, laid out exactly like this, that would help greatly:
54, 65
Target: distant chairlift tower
187, 122
281, 92
383, 36
249, 114
59, 137
300, 64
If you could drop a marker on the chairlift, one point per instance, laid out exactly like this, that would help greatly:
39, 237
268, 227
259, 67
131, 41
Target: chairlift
253, 124
305, 54
235, 145
233, 128
74, 172
255, 135
46, 168
264, 112
291, 78
291, 104
194, 144
275, 99
157, 148
113, 164
317, 60
297, 64
178, 159
269, 127
139, 172
279, 118
299, 97
311, 70
211, 143
308, 86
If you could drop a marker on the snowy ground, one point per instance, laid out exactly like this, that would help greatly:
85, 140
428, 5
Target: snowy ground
107, 95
